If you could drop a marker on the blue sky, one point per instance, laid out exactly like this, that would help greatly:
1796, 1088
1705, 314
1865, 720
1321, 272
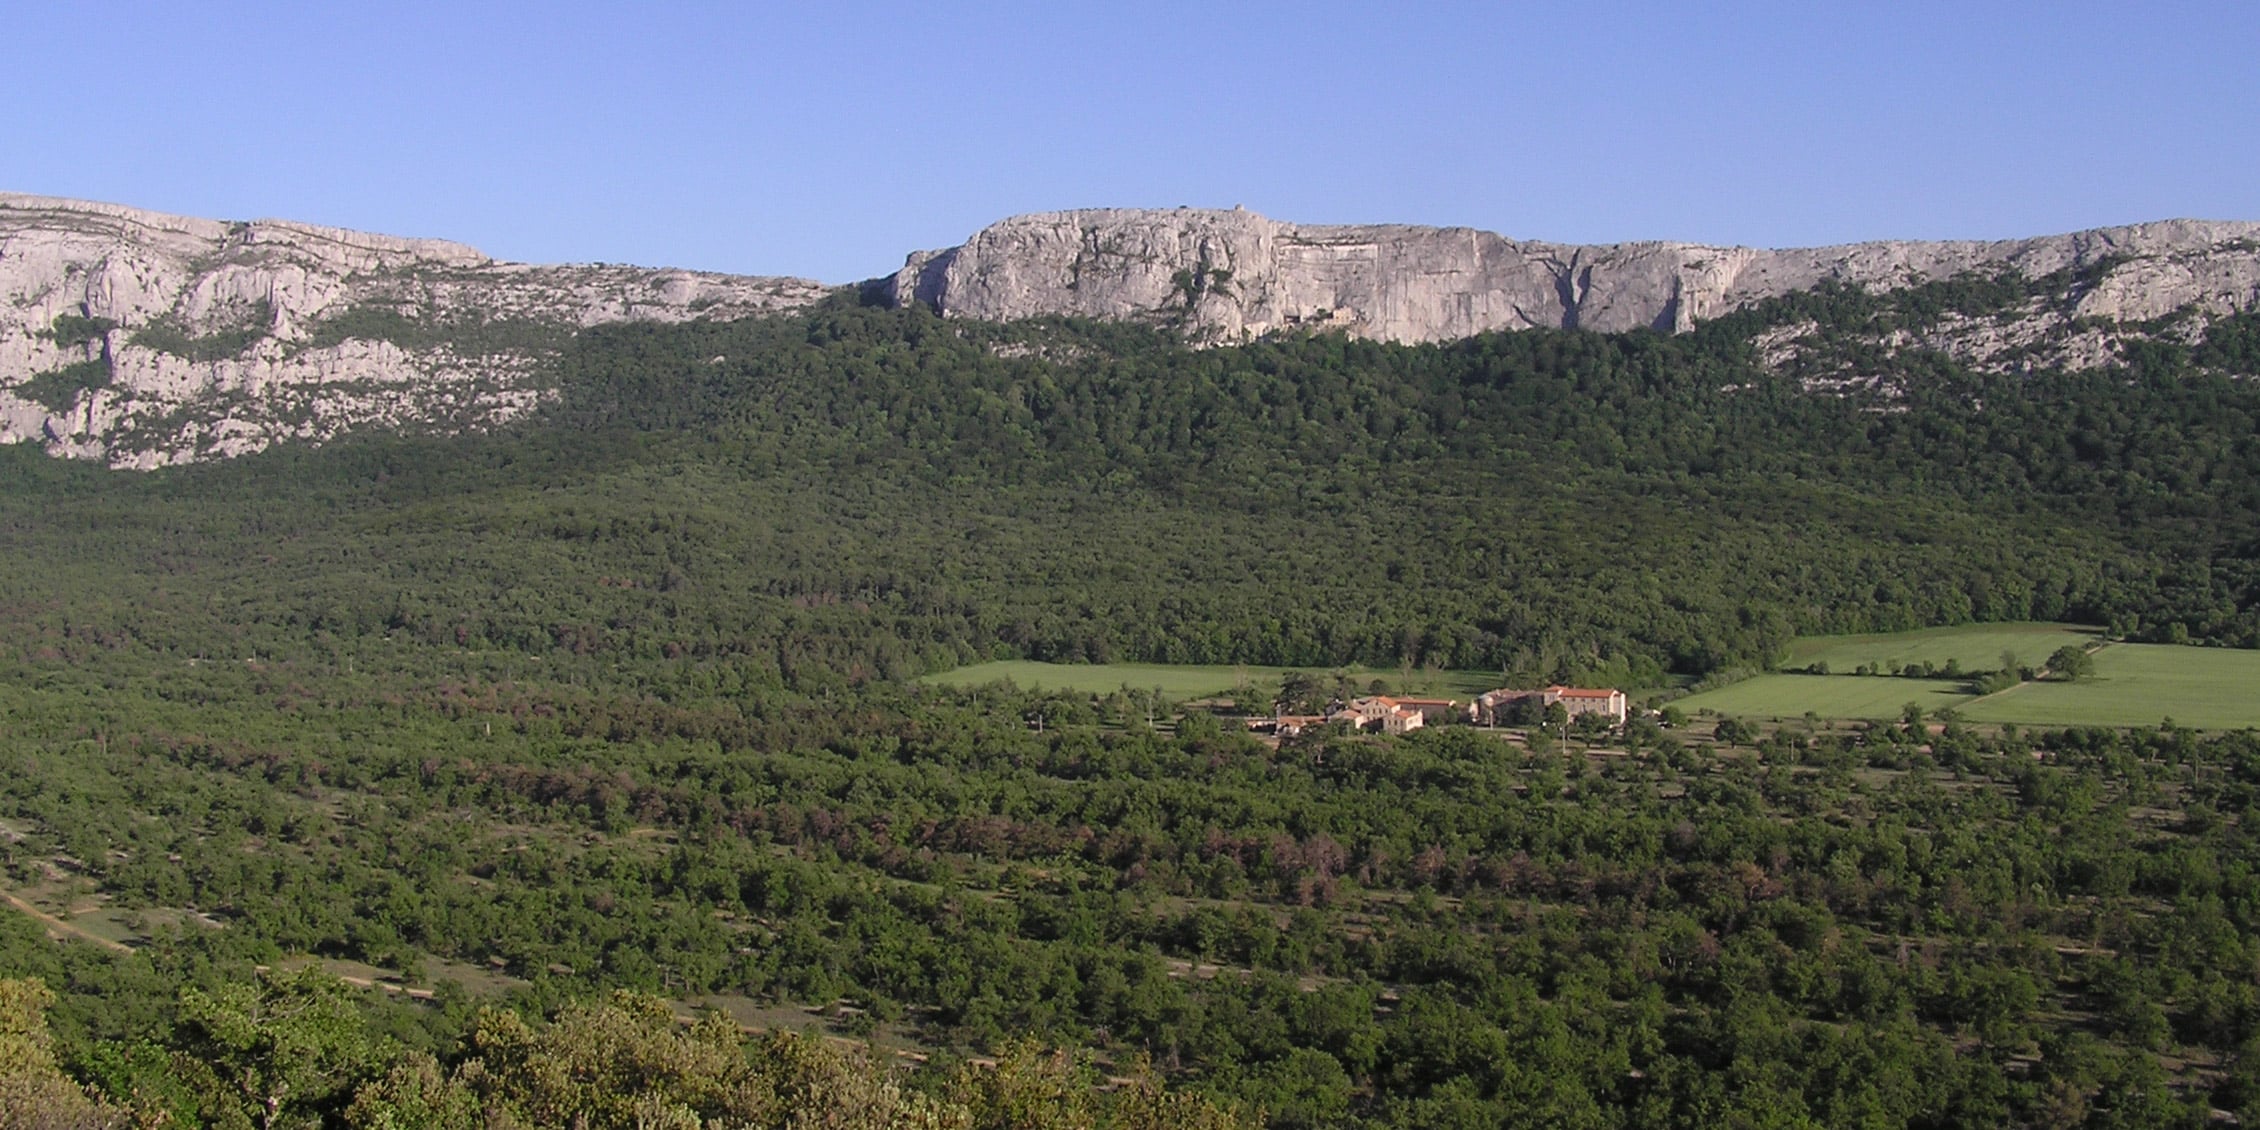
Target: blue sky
827, 140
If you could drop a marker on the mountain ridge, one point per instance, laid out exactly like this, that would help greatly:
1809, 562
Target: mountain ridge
142, 339
1234, 275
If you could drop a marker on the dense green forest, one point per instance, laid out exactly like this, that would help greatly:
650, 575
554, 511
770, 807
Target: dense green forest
872, 493
617, 699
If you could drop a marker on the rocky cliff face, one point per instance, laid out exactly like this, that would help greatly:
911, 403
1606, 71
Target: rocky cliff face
143, 339
1229, 276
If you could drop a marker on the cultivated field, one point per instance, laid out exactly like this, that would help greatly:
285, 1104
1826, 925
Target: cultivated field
2133, 684
1183, 682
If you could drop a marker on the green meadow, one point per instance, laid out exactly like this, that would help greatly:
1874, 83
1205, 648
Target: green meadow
2140, 685
2133, 684
1830, 696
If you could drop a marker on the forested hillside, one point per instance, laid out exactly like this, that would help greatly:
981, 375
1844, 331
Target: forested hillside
617, 699
870, 493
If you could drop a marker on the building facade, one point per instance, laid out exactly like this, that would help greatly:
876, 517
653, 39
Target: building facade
1492, 707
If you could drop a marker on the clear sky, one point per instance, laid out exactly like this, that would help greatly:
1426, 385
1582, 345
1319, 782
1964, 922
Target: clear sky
828, 139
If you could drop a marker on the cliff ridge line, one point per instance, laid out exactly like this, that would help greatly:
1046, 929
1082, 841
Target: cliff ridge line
1227, 275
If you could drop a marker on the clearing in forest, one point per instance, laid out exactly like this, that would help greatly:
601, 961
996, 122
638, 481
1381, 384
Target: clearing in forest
2141, 684
2132, 685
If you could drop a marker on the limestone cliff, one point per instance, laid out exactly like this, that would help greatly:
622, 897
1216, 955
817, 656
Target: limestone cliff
1228, 276
143, 339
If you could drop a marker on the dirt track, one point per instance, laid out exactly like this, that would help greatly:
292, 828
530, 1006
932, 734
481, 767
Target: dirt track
54, 923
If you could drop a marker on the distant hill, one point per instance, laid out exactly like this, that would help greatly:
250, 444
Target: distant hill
140, 340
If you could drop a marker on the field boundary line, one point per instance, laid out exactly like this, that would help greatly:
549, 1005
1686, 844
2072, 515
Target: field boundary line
1997, 694
2089, 648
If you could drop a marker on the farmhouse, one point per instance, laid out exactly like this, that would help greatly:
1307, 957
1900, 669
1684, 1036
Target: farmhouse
1377, 714
1395, 714
1492, 707
1286, 725
1609, 702
1384, 713
1433, 710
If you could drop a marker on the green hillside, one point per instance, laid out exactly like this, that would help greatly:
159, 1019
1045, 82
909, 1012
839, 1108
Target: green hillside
629, 697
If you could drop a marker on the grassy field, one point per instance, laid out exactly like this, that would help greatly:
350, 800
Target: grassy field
1182, 682
1830, 696
2133, 684
1977, 647
2140, 685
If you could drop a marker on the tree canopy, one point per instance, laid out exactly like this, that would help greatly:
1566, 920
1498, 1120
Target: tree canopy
619, 700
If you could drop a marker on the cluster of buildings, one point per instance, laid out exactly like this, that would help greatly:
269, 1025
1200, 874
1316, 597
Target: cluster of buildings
1394, 714
1491, 706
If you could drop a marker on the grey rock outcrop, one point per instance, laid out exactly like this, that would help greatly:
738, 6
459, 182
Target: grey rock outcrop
1231, 275
189, 339
142, 339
